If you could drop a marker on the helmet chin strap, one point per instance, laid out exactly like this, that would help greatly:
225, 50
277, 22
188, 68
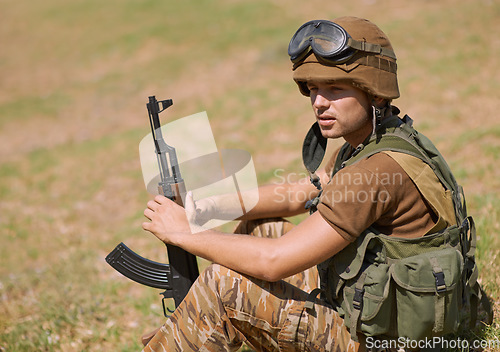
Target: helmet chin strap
313, 152
378, 114
376, 118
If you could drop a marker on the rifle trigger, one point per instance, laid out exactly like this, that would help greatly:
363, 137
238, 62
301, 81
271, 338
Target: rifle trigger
165, 308
166, 294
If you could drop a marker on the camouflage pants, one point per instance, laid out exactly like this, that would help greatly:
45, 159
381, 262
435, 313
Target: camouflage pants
223, 309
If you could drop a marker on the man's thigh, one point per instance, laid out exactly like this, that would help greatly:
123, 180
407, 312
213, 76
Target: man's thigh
272, 315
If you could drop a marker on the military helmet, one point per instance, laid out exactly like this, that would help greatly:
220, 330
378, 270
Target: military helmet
347, 49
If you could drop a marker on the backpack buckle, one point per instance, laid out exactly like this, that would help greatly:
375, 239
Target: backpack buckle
357, 300
440, 284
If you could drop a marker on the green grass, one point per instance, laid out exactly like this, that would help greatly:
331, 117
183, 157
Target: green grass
75, 79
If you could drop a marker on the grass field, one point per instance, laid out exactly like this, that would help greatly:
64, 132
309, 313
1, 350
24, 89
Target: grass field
75, 77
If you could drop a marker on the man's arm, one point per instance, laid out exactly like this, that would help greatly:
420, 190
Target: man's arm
308, 244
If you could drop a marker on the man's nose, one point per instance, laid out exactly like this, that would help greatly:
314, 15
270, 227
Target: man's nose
320, 102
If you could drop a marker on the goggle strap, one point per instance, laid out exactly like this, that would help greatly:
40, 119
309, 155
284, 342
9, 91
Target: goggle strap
371, 61
377, 62
303, 55
371, 48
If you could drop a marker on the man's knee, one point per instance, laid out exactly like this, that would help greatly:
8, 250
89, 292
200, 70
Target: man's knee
269, 227
213, 272
210, 275
226, 285
217, 277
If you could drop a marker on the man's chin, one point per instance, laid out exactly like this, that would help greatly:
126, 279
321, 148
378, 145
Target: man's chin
330, 133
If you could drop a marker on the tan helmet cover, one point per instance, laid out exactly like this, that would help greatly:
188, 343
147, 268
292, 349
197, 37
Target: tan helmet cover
373, 73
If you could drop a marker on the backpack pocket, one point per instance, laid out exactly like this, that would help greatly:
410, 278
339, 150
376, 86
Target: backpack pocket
369, 300
414, 297
428, 292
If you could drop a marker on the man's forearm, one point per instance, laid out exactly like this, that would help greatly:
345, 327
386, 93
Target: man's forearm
246, 254
274, 200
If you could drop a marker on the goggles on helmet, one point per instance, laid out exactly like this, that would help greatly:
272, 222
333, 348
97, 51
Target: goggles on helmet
329, 41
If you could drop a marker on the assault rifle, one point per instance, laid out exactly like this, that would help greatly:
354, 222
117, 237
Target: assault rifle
176, 277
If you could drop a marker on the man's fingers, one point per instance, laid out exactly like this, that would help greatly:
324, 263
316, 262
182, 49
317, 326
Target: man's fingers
153, 205
149, 213
147, 226
161, 199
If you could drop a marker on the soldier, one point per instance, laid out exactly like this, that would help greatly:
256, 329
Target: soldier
264, 289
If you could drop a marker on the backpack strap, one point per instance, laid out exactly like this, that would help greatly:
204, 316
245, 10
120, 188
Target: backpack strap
398, 135
357, 306
439, 198
473, 289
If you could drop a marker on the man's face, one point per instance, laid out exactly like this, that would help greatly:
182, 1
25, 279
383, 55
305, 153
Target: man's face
341, 111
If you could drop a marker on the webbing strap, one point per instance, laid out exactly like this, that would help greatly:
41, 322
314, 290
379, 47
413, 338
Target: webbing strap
438, 275
486, 304
315, 180
479, 298
469, 245
439, 312
439, 304
312, 204
374, 61
472, 231
371, 48
473, 276
357, 304
311, 298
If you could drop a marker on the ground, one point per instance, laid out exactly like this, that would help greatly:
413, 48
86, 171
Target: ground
75, 80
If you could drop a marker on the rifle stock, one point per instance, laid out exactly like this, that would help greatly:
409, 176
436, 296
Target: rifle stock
177, 276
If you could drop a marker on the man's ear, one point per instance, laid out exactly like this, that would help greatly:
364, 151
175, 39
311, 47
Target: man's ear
380, 102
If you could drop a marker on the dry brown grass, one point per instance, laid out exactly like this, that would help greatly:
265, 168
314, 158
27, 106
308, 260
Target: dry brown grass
74, 82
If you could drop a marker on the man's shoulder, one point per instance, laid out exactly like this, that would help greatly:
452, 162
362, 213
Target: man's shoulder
376, 163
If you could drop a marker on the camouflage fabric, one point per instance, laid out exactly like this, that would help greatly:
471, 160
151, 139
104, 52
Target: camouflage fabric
223, 309
307, 280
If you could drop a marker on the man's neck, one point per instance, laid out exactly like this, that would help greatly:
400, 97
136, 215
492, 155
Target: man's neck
360, 137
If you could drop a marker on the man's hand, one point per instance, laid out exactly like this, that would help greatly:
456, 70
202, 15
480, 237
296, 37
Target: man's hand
168, 220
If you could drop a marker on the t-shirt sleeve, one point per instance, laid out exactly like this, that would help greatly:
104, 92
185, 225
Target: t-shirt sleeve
358, 195
331, 162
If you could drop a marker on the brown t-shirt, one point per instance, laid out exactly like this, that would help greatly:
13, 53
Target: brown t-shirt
376, 192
